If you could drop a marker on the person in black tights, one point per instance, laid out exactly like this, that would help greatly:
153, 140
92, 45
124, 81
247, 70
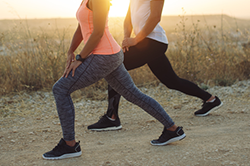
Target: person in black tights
149, 47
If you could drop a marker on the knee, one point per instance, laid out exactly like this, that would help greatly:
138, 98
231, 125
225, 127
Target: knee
56, 89
170, 86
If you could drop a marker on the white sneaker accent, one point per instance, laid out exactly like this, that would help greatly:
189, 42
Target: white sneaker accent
69, 155
110, 118
211, 100
108, 128
171, 140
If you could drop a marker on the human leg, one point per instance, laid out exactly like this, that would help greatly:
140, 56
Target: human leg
163, 70
110, 120
152, 53
93, 69
137, 56
134, 58
121, 81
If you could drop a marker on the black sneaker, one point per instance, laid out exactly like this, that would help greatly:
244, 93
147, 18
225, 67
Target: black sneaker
63, 151
105, 123
207, 107
168, 137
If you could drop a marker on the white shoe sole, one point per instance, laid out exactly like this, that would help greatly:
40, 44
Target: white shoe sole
108, 128
170, 141
70, 155
215, 108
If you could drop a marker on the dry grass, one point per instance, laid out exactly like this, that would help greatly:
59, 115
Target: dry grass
213, 50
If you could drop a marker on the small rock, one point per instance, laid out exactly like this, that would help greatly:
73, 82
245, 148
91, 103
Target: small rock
107, 163
13, 141
44, 130
100, 143
32, 140
14, 131
151, 121
177, 106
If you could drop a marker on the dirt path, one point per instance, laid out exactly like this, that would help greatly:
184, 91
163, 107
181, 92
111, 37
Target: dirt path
30, 127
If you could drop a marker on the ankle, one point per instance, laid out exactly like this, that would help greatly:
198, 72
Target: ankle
113, 117
211, 99
172, 128
71, 143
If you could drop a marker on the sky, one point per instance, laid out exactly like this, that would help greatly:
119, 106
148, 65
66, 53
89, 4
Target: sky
27, 9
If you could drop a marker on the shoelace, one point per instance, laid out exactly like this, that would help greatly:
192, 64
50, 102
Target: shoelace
204, 102
162, 134
58, 147
101, 118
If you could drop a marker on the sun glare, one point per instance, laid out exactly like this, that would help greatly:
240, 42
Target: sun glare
119, 8
65, 8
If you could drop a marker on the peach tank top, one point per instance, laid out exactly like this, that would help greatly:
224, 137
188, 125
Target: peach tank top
107, 44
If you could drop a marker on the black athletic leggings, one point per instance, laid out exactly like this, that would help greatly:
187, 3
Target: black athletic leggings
152, 53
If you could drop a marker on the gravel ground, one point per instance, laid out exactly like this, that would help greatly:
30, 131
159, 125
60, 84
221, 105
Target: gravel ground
30, 127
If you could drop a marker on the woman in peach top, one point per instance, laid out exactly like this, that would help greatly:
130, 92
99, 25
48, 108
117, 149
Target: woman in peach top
101, 57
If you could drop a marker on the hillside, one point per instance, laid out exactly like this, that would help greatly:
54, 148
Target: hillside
168, 22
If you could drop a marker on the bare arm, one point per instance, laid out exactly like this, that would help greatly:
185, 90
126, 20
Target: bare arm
127, 24
154, 18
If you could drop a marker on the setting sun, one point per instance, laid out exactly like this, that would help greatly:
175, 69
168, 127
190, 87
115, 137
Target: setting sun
119, 8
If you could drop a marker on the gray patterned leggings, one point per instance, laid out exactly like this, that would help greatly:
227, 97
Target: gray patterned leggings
94, 68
